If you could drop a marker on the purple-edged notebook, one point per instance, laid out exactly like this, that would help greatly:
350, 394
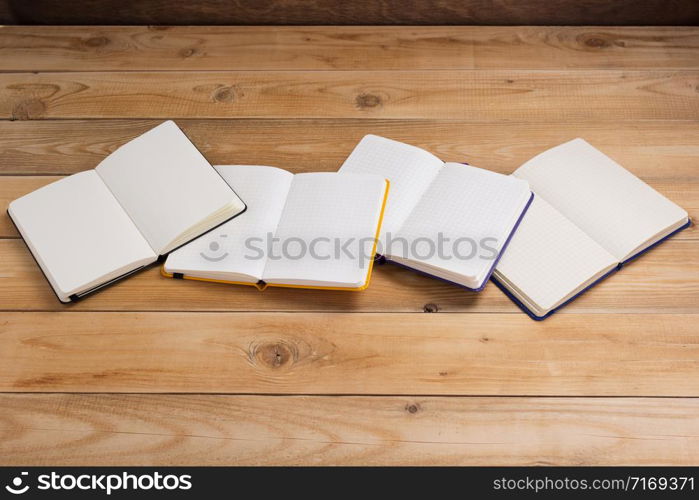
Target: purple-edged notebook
451, 221
589, 218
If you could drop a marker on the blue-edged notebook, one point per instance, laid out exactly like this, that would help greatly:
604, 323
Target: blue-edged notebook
588, 219
448, 220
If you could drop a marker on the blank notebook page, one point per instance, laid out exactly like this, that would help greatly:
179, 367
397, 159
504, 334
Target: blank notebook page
224, 249
549, 257
164, 184
463, 202
409, 169
79, 233
327, 205
610, 204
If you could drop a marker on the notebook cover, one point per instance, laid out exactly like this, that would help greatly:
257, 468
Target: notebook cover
161, 258
617, 268
531, 314
261, 285
383, 259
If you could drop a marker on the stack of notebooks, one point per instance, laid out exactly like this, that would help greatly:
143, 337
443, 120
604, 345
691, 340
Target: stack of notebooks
559, 224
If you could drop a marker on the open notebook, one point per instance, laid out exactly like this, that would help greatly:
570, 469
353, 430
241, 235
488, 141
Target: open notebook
315, 230
449, 220
589, 217
148, 197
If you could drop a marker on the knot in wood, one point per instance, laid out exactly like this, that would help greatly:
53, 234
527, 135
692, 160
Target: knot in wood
97, 41
596, 42
430, 308
274, 354
188, 52
367, 101
224, 94
412, 408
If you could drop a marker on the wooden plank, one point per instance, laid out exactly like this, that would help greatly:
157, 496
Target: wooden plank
143, 48
532, 96
650, 149
653, 284
337, 12
684, 192
99, 429
664, 280
311, 353
540, 47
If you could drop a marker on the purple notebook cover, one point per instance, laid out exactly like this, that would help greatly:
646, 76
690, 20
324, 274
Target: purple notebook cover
381, 259
617, 268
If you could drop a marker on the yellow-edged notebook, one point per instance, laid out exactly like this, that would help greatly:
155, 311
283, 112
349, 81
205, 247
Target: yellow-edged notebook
312, 230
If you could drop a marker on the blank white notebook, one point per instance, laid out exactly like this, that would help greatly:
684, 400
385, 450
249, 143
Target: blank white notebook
589, 216
449, 220
314, 230
150, 196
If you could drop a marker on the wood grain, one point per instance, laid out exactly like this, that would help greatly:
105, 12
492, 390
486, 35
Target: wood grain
130, 48
405, 12
219, 374
664, 149
298, 430
488, 95
316, 353
664, 280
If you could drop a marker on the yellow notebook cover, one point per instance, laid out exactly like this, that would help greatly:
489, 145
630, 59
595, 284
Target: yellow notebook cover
261, 285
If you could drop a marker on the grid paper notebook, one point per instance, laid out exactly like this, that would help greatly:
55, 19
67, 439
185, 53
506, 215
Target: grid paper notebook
449, 220
590, 217
292, 232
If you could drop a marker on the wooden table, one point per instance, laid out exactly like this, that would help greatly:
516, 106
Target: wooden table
158, 371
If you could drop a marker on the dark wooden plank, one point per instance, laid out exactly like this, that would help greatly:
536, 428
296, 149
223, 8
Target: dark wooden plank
318, 12
110, 48
487, 95
7, 16
317, 353
99, 429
